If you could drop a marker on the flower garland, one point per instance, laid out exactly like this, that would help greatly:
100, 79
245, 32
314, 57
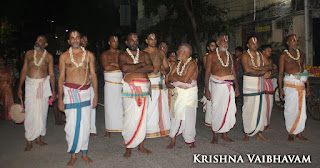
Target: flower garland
221, 61
42, 58
183, 67
83, 57
134, 58
258, 58
298, 54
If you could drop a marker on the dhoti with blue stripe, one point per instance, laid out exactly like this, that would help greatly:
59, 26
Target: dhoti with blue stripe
254, 104
78, 112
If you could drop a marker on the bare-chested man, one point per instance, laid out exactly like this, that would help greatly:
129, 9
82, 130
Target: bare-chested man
184, 78
296, 88
211, 47
219, 78
77, 66
93, 128
158, 120
253, 90
113, 108
37, 72
268, 82
135, 65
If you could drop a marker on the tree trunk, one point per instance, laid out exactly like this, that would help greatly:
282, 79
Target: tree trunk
196, 35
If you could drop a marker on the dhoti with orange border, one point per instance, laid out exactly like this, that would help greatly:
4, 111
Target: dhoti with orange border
158, 116
254, 104
295, 102
135, 102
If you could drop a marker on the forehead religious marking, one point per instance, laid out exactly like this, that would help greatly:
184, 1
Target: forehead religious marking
115, 38
226, 38
295, 38
74, 34
152, 36
254, 39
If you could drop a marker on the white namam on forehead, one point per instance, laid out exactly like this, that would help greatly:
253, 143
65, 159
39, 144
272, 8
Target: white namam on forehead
115, 38
73, 34
254, 39
225, 37
295, 37
152, 36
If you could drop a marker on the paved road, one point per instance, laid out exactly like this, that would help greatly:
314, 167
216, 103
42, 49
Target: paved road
108, 152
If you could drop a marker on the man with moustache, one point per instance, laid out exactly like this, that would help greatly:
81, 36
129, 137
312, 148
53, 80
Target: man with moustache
135, 66
158, 120
37, 72
254, 103
77, 70
220, 76
113, 108
295, 89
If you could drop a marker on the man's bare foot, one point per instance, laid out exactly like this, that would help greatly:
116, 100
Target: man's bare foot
39, 142
246, 138
166, 137
215, 139
192, 146
260, 136
267, 128
128, 153
94, 135
299, 136
170, 146
72, 160
28, 147
226, 138
144, 150
86, 159
291, 138
107, 135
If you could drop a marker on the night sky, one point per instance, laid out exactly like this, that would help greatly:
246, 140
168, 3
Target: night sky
95, 18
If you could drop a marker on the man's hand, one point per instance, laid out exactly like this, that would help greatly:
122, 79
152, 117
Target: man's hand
95, 101
307, 92
237, 92
281, 93
61, 105
168, 85
207, 94
20, 93
274, 67
53, 97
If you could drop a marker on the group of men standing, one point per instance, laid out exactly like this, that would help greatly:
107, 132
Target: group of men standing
137, 100
221, 88
136, 97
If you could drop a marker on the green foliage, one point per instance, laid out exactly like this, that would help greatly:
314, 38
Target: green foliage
7, 38
176, 22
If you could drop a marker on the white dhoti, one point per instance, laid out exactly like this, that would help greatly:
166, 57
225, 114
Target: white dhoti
254, 106
158, 116
295, 102
77, 108
269, 100
93, 128
185, 114
223, 104
135, 102
113, 106
207, 106
37, 92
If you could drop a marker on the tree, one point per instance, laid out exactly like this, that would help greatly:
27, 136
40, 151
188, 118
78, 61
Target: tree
7, 38
197, 20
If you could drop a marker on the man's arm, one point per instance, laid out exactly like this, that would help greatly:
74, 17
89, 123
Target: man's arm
62, 73
127, 68
208, 67
93, 79
52, 79
280, 76
237, 91
307, 83
105, 63
148, 67
165, 65
246, 65
191, 69
23, 75
171, 77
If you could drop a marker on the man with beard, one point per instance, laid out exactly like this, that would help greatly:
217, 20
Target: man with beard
219, 78
295, 88
184, 78
135, 65
158, 120
113, 108
254, 102
93, 128
37, 72
77, 65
